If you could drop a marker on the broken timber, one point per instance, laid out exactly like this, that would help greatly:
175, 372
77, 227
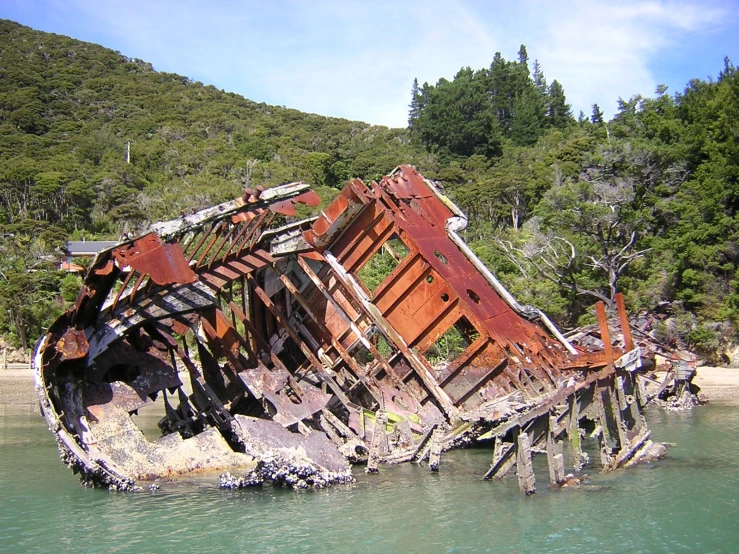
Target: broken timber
287, 353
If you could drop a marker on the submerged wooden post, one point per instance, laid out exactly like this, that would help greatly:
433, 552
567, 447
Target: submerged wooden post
606, 440
617, 417
379, 442
627, 389
574, 432
503, 460
555, 459
424, 447
437, 441
524, 467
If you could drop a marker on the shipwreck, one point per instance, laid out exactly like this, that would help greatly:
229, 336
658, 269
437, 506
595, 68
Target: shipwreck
289, 352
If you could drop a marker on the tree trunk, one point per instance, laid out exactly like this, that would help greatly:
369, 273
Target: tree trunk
20, 328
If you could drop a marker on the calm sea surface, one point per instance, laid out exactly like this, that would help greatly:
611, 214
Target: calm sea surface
688, 502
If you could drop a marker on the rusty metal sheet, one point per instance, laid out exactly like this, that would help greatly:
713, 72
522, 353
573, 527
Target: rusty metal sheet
292, 401
164, 263
287, 207
340, 213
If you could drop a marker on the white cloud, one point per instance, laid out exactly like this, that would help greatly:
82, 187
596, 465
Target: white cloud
358, 59
603, 51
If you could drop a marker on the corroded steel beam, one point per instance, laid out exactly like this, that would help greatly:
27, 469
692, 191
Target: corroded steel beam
286, 352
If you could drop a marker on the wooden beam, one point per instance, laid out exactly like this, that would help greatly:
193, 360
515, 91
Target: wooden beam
624, 318
418, 365
524, 467
318, 366
605, 334
366, 343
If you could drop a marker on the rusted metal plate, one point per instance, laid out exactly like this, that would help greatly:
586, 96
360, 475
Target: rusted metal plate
287, 207
291, 401
164, 263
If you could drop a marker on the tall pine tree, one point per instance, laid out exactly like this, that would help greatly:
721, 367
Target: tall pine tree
559, 114
597, 116
416, 105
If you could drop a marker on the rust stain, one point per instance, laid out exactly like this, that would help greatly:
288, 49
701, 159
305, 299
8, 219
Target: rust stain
164, 263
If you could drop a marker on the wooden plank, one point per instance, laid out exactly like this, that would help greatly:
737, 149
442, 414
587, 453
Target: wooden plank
437, 442
418, 365
605, 334
503, 459
524, 466
555, 461
378, 447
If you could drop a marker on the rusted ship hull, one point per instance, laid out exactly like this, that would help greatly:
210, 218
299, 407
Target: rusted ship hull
370, 334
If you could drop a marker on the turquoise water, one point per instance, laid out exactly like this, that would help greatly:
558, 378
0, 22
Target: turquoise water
685, 503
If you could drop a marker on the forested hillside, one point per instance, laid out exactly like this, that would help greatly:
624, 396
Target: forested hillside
569, 212
566, 211
67, 110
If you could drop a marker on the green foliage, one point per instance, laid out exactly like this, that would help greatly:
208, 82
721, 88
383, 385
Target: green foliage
68, 108
703, 339
69, 287
29, 282
450, 345
384, 261
67, 111
646, 203
474, 112
454, 118
658, 184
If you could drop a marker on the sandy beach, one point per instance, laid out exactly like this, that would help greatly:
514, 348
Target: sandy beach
17, 387
717, 383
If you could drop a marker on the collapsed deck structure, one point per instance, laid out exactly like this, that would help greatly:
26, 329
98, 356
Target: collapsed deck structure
369, 334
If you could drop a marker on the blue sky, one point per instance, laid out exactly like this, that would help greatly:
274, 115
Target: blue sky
357, 60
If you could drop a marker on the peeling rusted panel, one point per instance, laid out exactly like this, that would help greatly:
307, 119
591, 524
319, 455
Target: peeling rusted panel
287, 207
164, 263
257, 342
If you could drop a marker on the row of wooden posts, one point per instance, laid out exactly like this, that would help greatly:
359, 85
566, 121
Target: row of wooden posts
611, 400
612, 405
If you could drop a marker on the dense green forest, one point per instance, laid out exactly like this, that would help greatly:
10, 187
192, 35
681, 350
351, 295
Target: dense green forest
67, 110
565, 210
571, 211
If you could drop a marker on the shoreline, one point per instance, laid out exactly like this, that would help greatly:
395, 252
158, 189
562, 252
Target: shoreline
17, 386
718, 383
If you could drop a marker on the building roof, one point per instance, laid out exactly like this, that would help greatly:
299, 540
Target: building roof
87, 248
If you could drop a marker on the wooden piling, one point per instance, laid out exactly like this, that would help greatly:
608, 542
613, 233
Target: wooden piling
603, 430
379, 442
555, 460
573, 432
437, 442
503, 460
524, 467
